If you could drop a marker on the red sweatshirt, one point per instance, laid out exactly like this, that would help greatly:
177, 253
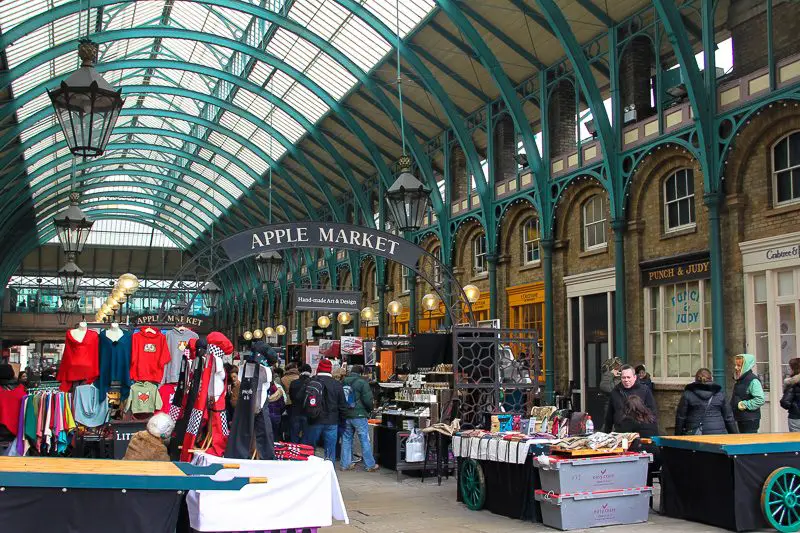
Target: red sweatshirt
81, 361
10, 403
149, 355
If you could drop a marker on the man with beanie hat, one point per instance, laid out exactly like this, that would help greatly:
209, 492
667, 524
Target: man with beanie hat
326, 393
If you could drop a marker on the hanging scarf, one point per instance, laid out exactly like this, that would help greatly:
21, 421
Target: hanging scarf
178, 443
177, 405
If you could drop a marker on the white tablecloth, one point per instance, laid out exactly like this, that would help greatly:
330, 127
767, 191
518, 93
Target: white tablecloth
299, 494
494, 449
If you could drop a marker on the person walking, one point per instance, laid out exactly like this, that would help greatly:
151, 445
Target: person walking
703, 409
644, 377
358, 395
628, 386
324, 405
298, 422
748, 394
791, 395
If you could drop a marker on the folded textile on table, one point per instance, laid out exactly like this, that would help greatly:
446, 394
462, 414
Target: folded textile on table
445, 429
287, 451
597, 441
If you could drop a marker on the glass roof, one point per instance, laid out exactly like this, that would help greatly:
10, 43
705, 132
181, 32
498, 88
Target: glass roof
125, 233
206, 169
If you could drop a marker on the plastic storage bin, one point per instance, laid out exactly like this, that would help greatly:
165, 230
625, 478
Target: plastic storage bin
589, 474
594, 509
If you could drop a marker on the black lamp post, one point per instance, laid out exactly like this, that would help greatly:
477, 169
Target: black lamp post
87, 106
269, 266
408, 198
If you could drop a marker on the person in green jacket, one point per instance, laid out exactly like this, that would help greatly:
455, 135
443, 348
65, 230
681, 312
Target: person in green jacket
748, 394
358, 395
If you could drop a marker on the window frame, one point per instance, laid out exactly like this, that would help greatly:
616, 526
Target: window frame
437, 267
528, 244
689, 176
405, 286
791, 169
593, 223
479, 264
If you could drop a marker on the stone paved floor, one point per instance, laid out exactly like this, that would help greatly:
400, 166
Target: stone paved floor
378, 503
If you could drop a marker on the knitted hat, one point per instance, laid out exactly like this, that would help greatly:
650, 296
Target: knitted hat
217, 338
324, 366
161, 425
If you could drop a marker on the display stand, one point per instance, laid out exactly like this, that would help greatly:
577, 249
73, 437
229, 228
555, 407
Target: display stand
728, 481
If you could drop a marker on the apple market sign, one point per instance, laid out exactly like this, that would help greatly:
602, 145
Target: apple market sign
314, 234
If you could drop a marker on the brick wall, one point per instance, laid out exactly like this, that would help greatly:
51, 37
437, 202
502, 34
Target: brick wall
635, 68
505, 149
463, 257
458, 174
561, 125
747, 20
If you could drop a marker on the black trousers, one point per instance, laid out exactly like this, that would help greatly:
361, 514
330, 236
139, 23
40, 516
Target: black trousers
748, 426
265, 440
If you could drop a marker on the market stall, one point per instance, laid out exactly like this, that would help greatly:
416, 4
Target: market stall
737, 482
94, 495
299, 495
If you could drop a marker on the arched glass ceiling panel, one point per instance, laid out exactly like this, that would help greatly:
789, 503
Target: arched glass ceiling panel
125, 233
324, 17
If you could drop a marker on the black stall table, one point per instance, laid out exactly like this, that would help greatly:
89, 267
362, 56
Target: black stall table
498, 475
100, 495
737, 482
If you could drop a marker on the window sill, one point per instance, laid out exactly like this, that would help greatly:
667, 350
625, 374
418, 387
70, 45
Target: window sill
688, 230
672, 386
481, 276
594, 251
783, 210
530, 266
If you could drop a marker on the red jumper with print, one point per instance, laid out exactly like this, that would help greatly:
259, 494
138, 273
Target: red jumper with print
149, 355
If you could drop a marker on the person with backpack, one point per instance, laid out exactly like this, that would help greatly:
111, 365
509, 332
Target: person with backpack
298, 422
703, 409
748, 394
358, 396
324, 405
791, 395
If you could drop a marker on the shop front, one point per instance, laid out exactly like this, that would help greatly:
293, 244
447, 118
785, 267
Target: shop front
677, 317
771, 269
480, 309
526, 312
401, 324
590, 322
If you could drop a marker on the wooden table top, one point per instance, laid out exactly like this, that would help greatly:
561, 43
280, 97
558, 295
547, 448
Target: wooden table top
741, 438
56, 465
738, 444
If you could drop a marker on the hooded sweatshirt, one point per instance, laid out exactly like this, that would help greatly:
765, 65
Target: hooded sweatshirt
791, 396
747, 390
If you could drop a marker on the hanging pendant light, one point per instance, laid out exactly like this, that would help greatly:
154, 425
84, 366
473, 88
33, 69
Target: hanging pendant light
269, 266
70, 302
70, 276
86, 105
72, 227
408, 198
281, 329
211, 294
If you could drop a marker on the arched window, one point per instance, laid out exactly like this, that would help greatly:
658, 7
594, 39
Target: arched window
786, 170
679, 200
479, 252
594, 223
531, 242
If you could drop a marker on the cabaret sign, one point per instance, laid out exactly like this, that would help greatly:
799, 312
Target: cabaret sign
322, 235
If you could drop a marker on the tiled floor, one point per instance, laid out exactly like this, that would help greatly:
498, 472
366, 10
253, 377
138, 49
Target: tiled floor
378, 503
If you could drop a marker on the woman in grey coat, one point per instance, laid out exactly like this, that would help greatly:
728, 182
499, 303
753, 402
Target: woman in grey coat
703, 408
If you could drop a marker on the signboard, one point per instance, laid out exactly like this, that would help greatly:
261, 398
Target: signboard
784, 252
193, 321
325, 300
313, 357
318, 234
687, 268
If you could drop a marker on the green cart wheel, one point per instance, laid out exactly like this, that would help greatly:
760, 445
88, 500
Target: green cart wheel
472, 484
780, 499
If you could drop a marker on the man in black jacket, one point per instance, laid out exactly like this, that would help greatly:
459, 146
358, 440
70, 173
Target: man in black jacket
298, 422
333, 409
628, 385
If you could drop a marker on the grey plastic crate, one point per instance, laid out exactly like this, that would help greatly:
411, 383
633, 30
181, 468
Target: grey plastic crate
594, 509
588, 474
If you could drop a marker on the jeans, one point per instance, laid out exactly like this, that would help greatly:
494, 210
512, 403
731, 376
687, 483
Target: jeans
298, 424
328, 432
360, 426
794, 425
748, 426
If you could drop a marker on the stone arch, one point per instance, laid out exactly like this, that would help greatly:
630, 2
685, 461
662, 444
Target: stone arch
368, 288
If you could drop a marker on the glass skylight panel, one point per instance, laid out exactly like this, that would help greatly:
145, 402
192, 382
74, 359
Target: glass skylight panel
15, 12
287, 125
361, 43
256, 163
128, 48
308, 103
33, 107
243, 177
331, 76
38, 127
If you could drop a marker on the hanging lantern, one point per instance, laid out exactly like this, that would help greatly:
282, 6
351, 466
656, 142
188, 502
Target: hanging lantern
394, 308
367, 314
70, 302
430, 302
87, 106
269, 266
324, 321
72, 227
247, 335
473, 293
344, 318
62, 315
269, 332
211, 294
258, 334
70, 276
281, 329
408, 198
